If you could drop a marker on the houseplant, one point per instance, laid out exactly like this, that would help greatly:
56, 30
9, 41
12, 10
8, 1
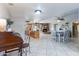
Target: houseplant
9, 23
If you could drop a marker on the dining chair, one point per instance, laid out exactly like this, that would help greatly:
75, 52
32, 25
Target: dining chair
67, 35
62, 36
27, 39
55, 35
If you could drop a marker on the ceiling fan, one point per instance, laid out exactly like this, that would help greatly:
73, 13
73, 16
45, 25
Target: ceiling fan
60, 18
11, 4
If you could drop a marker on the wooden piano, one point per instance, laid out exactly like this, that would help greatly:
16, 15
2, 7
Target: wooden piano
10, 41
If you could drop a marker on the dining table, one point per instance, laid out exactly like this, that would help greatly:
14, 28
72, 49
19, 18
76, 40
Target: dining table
60, 34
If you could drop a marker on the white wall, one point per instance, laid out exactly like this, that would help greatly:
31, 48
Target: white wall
54, 21
19, 26
3, 11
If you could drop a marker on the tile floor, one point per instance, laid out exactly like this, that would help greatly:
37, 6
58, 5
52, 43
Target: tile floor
47, 46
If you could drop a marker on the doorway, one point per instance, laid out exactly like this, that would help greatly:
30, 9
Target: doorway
75, 29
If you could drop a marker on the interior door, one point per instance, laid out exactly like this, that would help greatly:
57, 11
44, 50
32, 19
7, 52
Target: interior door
75, 29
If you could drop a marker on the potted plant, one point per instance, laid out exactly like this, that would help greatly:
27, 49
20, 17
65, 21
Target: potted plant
9, 23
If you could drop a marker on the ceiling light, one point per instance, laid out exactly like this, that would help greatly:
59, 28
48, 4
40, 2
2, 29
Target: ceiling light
58, 21
38, 11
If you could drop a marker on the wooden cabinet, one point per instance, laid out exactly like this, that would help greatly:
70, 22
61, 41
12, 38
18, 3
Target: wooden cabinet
34, 34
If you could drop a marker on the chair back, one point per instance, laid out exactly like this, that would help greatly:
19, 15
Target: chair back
67, 34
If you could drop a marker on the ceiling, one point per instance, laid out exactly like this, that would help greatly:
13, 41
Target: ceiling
49, 10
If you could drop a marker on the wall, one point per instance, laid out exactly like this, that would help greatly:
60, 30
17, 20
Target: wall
54, 21
3, 11
19, 26
4, 14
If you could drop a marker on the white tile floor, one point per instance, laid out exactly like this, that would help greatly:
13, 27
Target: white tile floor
47, 46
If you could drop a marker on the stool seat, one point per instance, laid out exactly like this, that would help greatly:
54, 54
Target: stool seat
25, 45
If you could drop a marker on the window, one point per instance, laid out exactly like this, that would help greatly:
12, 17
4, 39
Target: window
2, 25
